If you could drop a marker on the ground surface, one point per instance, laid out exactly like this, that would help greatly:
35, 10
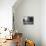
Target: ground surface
9, 43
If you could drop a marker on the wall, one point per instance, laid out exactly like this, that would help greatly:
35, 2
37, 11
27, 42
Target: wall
28, 8
43, 22
6, 13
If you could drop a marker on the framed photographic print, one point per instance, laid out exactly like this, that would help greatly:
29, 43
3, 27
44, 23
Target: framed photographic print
28, 20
